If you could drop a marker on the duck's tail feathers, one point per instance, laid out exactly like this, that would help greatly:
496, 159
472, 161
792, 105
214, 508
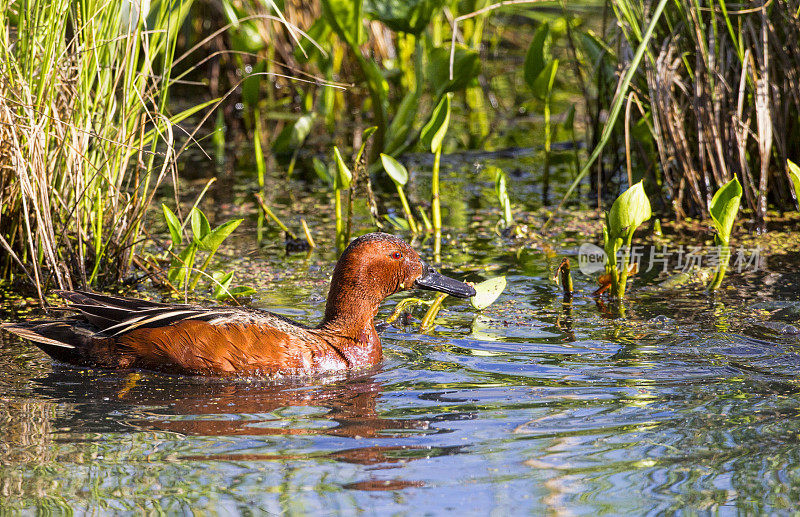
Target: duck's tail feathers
63, 340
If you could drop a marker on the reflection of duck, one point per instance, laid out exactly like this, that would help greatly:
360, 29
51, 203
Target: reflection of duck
122, 333
221, 407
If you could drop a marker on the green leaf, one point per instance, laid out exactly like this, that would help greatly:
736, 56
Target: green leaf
213, 240
794, 175
322, 171
487, 292
543, 84
398, 222
395, 170
343, 174
181, 265
200, 226
344, 17
174, 225
466, 67
221, 284
410, 16
433, 132
402, 122
242, 290
631, 209
364, 141
723, 208
538, 55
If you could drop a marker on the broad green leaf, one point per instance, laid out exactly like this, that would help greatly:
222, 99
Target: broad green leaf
344, 17
794, 175
174, 225
466, 67
487, 292
181, 265
543, 84
213, 240
322, 171
631, 209
251, 85
242, 290
398, 222
402, 122
410, 16
433, 132
538, 54
723, 208
222, 282
394, 169
246, 38
343, 175
200, 226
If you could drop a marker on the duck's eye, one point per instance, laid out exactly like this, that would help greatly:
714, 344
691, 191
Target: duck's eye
397, 255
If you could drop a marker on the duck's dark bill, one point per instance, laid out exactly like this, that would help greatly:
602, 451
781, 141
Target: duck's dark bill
435, 281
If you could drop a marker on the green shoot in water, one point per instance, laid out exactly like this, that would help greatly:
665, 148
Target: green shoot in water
723, 208
630, 210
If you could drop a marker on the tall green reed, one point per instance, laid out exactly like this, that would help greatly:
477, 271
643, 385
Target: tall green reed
84, 131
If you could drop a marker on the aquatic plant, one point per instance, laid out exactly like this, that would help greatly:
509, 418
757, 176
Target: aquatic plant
717, 93
85, 138
487, 292
630, 210
341, 180
183, 274
432, 137
399, 175
723, 209
540, 74
500, 190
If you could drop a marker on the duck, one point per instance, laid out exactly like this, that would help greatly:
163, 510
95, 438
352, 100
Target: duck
120, 333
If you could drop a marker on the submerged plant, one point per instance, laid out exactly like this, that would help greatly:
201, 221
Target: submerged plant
723, 209
630, 210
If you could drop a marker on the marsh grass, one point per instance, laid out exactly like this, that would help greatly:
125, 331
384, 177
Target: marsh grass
721, 97
84, 135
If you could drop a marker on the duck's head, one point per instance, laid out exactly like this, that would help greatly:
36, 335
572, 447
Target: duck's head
377, 265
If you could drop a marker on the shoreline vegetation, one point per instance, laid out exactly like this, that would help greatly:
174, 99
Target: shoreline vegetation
681, 96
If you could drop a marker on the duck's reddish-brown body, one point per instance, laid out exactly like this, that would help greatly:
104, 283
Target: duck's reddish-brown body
122, 333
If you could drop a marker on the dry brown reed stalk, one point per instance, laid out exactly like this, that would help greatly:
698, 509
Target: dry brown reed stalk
722, 85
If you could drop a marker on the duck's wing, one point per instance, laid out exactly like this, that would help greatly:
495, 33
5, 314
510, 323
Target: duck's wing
117, 332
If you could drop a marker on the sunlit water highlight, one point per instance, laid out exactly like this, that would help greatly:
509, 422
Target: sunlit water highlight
686, 402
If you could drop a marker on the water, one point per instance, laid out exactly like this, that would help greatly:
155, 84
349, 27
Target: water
684, 403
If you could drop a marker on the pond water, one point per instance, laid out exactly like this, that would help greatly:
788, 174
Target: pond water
681, 401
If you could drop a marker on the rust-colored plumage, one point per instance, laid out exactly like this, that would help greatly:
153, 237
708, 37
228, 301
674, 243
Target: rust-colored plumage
121, 333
